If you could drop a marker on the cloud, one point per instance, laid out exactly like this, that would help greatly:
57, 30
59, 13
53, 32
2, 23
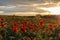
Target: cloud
15, 2
11, 9
20, 8
26, 6
1, 12
24, 13
7, 7
48, 4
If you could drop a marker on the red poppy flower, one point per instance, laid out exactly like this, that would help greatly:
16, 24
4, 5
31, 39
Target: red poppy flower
20, 25
37, 27
32, 26
42, 23
15, 24
15, 29
2, 18
24, 29
51, 27
1, 25
25, 22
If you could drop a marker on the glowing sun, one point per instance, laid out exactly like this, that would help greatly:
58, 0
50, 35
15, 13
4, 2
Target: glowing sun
53, 10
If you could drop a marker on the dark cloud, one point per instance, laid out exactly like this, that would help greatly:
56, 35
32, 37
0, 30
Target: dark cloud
15, 2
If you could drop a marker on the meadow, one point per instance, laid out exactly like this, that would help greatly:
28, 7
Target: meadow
29, 28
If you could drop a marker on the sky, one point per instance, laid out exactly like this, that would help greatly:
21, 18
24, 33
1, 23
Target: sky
29, 7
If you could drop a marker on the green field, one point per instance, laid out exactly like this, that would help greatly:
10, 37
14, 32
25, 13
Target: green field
29, 27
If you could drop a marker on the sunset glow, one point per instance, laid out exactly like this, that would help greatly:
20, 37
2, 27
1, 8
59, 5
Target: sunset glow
53, 10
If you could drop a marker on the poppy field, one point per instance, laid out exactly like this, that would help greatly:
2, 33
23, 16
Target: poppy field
28, 28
